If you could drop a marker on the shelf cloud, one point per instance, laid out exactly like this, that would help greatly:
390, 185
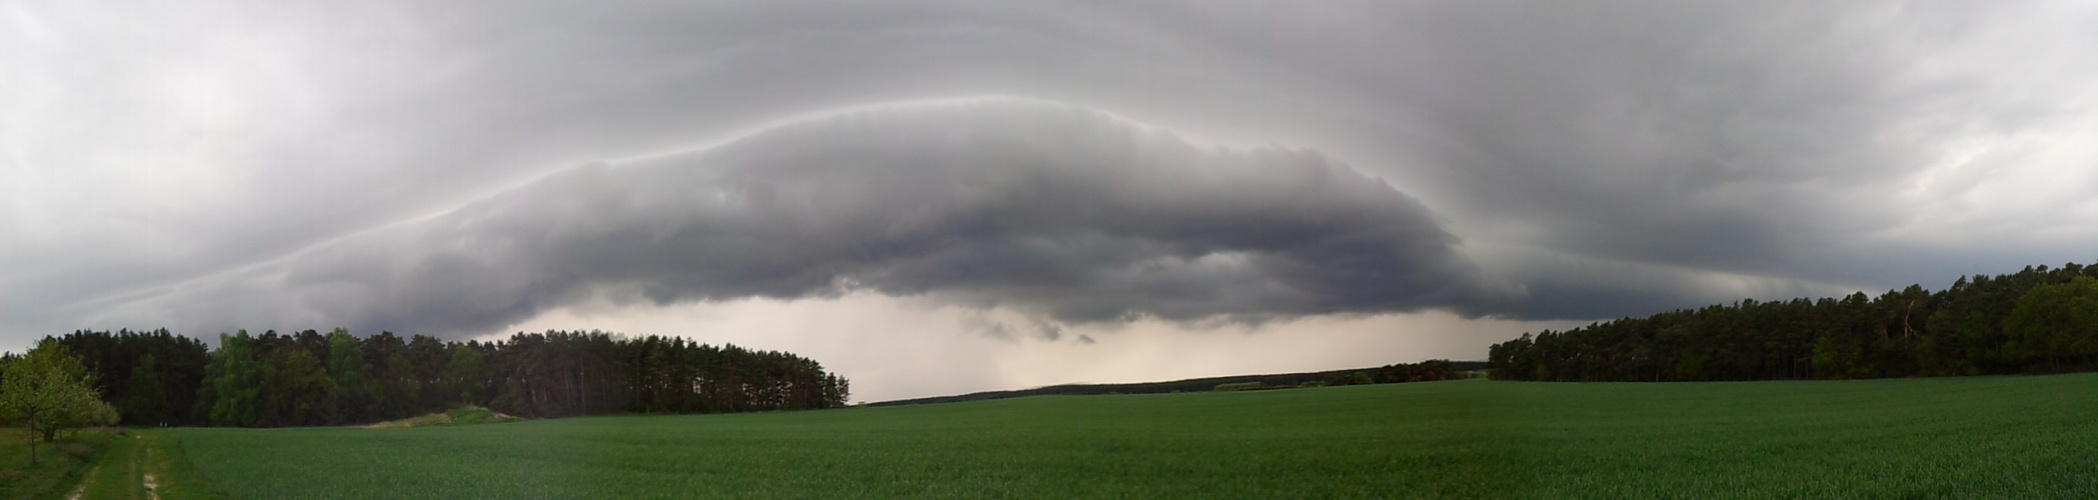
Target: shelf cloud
1057, 170
1059, 211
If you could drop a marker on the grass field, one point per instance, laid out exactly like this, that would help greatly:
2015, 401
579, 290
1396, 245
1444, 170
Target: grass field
58, 465
2000, 437
101, 464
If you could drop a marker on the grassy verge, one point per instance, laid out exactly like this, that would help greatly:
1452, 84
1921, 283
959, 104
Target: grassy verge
102, 464
116, 470
59, 466
1985, 437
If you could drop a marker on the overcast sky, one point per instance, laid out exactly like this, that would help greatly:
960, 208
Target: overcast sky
941, 197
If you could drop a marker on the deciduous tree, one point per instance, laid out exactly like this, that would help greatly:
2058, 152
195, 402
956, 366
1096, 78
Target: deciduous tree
48, 389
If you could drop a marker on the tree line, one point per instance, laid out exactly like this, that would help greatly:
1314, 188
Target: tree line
312, 378
2038, 320
1425, 371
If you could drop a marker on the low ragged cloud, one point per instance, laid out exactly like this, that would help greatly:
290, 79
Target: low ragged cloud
1060, 212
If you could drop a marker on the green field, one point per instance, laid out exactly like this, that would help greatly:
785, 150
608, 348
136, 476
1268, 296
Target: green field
100, 464
2001, 437
58, 466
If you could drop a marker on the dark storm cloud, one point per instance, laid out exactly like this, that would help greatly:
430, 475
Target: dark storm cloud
1609, 157
1053, 210
1704, 151
1796, 140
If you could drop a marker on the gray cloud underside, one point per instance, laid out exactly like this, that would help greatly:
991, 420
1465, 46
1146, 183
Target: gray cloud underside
1620, 157
1053, 210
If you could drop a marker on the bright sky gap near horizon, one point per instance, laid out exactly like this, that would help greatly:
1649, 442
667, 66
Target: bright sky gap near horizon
942, 197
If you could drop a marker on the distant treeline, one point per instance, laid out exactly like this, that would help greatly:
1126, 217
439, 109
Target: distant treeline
312, 378
1430, 370
2038, 320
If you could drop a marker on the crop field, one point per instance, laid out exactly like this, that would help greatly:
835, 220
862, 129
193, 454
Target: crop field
1982, 437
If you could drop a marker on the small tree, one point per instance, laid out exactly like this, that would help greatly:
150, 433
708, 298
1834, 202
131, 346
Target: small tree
48, 389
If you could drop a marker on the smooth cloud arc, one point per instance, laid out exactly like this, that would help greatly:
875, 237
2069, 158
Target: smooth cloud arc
1055, 210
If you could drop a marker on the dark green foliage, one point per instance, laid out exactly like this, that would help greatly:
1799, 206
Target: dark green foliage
1974, 327
308, 378
1425, 371
355, 393
428, 358
393, 380
234, 382
2054, 323
151, 377
1357, 378
299, 393
563, 373
465, 379
144, 394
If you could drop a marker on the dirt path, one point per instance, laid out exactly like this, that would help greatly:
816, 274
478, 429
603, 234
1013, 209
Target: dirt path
152, 488
138, 467
85, 479
128, 459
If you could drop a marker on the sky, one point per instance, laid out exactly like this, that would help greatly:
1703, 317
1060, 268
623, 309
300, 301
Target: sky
937, 197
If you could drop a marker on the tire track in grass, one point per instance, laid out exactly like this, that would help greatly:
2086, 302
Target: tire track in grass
141, 482
85, 479
118, 473
146, 478
165, 471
